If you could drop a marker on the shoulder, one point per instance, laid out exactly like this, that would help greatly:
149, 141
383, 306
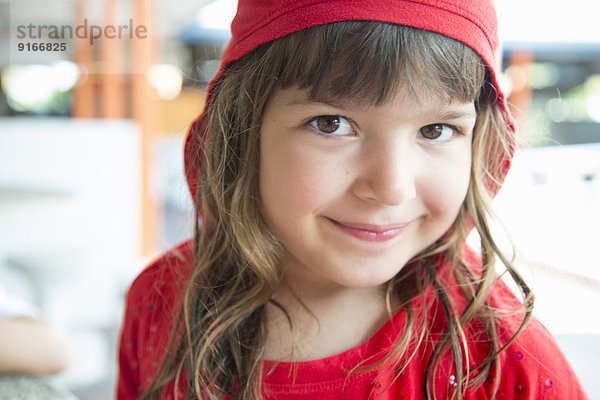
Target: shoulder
532, 365
154, 298
164, 277
152, 305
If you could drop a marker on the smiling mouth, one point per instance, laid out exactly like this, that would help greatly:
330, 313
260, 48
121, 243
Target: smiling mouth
371, 233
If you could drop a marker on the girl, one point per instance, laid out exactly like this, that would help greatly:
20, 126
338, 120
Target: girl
346, 151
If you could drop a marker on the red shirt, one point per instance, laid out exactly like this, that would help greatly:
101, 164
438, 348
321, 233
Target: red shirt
533, 367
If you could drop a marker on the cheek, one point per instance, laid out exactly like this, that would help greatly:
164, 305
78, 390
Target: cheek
444, 188
293, 182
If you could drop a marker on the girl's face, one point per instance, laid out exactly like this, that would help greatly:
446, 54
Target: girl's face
354, 192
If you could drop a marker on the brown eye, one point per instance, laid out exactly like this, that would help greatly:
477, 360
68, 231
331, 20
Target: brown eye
438, 132
328, 123
331, 125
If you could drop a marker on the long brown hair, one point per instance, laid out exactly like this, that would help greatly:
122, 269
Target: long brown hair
218, 342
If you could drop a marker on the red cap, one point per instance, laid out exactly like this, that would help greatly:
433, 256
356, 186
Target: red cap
472, 22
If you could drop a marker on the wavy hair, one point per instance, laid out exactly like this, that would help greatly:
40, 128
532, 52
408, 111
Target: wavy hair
218, 343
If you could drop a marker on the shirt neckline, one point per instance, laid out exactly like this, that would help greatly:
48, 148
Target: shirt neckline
339, 365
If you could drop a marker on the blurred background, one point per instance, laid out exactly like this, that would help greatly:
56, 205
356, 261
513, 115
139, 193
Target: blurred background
91, 170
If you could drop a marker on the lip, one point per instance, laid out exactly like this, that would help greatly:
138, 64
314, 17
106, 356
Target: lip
370, 232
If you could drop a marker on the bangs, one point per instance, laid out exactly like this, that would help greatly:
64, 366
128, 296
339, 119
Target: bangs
371, 61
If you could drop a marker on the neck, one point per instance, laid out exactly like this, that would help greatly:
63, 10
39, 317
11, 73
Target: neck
324, 320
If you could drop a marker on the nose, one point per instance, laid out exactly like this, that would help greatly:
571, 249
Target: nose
387, 173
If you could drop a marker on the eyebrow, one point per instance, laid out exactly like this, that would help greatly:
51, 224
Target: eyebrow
307, 102
443, 113
453, 113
